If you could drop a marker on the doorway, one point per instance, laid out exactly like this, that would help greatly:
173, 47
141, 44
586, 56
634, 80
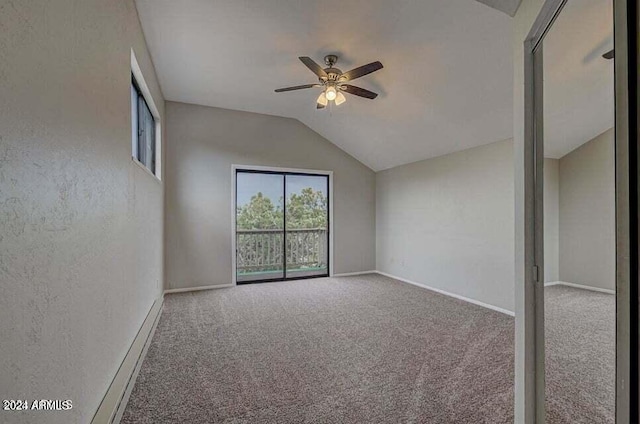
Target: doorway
282, 224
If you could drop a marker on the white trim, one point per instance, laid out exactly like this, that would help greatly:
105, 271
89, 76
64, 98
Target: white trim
446, 293
350, 274
190, 289
234, 168
117, 395
579, 286
280, 169
331, 256
146, 93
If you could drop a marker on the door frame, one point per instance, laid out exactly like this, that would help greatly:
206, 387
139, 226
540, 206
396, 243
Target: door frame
626, 23
530, 341
277, 170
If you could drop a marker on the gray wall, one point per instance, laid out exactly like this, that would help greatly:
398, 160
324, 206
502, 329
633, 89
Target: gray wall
204, 142
587, 214
551, 220
448, 223
81, 225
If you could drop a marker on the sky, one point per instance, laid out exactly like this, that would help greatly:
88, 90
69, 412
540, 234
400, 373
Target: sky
271, 185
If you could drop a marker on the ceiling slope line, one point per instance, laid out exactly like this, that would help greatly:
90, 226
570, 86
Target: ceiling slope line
510, 7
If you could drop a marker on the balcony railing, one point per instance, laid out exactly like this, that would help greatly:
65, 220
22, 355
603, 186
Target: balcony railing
261, 251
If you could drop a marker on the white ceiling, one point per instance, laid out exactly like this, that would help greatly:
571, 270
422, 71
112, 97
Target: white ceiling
578, 82
510, 7
446, 83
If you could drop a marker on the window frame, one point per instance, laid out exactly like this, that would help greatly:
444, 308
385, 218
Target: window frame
248, 168
142, 92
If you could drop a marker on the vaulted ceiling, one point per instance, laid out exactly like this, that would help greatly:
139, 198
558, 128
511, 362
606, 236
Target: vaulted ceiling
446, 83
578, 81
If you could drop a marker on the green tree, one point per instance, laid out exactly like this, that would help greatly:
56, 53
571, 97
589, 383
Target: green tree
307, 209
259, 214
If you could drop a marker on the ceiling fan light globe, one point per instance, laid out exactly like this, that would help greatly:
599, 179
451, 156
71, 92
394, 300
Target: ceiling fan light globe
340, 99
331, 93
322, 99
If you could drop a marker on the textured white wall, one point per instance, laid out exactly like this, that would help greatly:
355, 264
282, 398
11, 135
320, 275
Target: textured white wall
588, 214
203, 143
81, 225
447, 223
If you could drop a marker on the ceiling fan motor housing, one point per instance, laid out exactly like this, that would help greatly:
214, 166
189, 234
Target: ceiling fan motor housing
333, 73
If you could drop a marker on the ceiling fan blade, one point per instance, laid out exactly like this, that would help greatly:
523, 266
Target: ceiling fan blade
320, 106
357, 91
609, 54
315, 68
361, 71
297, 87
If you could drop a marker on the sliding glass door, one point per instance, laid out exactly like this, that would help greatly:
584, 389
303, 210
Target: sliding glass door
259, 226
282, 226
307, 225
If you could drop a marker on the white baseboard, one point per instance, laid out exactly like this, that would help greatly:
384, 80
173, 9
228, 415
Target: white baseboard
446, 293
114, 401
350, 274
579, 286
189, 289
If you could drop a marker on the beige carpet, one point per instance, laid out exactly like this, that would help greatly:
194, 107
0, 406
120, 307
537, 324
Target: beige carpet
580, 355
364, 349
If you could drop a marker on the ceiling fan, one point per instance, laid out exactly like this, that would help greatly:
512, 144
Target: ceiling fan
334, 81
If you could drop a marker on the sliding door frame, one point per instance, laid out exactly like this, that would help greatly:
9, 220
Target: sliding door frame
281, 171
530, 365
530, 384
626, 22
